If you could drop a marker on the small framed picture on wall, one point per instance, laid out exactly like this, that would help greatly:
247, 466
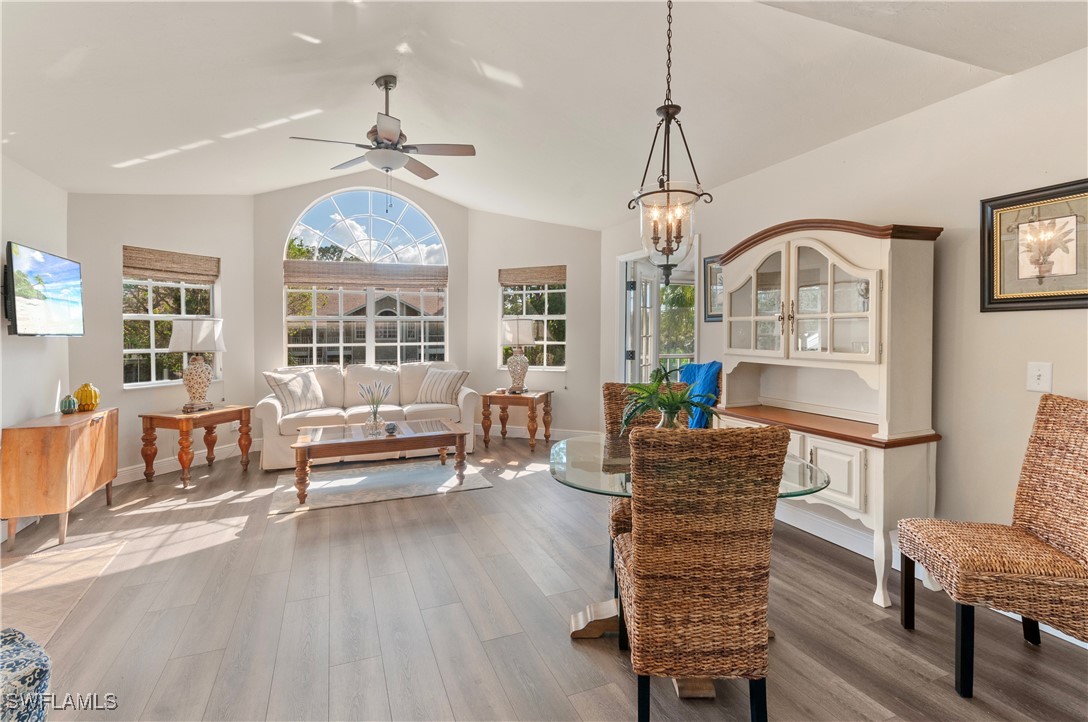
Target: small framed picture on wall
1035, 249
713, 300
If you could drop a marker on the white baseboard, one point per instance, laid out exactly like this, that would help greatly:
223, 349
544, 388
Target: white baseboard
521, 432
168, 462
861, 543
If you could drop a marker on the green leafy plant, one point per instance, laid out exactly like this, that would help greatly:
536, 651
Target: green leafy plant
659, 395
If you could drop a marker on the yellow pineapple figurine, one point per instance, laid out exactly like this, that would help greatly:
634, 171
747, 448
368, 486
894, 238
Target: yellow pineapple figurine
88, 397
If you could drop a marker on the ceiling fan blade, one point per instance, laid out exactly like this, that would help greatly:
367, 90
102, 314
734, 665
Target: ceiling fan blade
322, 140
440, 149
388, 128
423, 171
349, 163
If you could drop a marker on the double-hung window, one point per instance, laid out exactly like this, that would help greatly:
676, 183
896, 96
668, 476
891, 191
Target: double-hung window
539, 294
159, 287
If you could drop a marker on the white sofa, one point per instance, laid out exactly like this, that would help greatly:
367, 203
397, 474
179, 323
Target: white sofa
340, 387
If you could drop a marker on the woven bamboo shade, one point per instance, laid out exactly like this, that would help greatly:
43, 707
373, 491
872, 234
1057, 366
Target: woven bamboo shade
351, 275
532, 276
157, 265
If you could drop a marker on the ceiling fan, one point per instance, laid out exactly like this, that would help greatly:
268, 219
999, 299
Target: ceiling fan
387, 149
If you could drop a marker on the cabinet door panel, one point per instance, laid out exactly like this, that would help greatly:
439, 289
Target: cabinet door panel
82, 462
797, 444
845, 465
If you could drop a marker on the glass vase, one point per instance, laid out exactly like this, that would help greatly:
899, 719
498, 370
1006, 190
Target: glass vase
375, 425
668, 421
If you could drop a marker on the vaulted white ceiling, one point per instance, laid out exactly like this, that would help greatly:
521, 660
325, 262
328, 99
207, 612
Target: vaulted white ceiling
558, 98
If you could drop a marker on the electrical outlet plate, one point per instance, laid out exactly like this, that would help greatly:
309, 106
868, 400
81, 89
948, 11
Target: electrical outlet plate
1040, 376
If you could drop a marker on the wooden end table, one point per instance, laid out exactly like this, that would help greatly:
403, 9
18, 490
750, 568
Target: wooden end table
322, 442
529, 399
184, 424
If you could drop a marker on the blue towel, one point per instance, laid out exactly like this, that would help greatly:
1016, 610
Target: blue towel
703, 379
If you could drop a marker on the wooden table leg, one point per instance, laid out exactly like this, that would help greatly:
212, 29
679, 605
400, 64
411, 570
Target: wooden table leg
504, 416
442, 455
245, 441
485, 421
185, 451
547, 418
13, 524
149, 450
62, 519
210, 437
532, 424
595, 620
302, 473
459, 459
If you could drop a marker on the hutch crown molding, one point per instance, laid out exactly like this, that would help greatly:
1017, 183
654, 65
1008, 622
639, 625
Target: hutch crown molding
829, 332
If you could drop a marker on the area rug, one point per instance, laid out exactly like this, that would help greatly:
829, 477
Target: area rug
362, 485
40, 590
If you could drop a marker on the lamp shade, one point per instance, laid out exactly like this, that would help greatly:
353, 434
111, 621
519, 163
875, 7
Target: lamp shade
517, 332
197, 335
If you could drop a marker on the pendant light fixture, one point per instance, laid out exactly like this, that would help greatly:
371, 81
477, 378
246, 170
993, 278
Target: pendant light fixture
667, 209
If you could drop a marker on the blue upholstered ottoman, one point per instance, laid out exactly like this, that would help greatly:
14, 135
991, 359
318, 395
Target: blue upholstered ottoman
24, 666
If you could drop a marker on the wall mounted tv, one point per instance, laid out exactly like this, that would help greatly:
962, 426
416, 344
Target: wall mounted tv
43, 293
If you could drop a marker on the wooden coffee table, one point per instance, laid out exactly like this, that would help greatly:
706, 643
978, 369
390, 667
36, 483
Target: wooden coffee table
322, 442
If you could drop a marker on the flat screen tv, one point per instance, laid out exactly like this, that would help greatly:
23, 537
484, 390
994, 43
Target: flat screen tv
43, 293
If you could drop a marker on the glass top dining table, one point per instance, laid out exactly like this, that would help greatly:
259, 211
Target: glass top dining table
601, 464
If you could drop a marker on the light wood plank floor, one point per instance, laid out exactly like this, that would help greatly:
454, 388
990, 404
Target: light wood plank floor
456, 607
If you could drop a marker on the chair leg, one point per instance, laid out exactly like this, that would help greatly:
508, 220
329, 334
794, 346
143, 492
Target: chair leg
906, 581
757, 695
643, 698
965, 649
624, 646
1031, 631
611, 553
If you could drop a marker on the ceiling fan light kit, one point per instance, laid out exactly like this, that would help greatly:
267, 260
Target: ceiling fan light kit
387, 150
667, 208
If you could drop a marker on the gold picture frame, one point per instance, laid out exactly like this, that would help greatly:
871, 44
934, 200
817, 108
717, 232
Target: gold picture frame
1035, 249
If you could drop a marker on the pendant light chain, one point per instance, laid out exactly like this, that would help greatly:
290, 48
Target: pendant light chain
668, 59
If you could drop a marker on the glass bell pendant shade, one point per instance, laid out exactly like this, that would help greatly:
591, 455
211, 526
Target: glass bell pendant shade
667, 220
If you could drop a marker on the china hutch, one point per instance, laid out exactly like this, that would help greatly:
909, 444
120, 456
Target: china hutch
828, 330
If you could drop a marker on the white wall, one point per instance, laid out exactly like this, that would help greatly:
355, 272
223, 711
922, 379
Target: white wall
498, 241
34, 369
221, 226
932, 167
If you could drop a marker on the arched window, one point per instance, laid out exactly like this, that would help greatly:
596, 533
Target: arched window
364, 282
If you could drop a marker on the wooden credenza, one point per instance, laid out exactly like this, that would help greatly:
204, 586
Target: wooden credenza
50, 464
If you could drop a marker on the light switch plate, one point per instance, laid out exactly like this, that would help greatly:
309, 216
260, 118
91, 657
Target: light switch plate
1040, 376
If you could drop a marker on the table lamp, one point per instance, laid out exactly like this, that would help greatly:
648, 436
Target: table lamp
517, 332
197, 335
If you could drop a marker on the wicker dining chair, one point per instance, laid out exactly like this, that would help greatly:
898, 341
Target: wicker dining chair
615, 401
1038, 566
694, 569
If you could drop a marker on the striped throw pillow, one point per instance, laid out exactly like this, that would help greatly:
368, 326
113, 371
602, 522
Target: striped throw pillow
441, 386
296, 390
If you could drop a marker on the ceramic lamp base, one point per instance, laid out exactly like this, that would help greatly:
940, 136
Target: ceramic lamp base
197, 377
517, 365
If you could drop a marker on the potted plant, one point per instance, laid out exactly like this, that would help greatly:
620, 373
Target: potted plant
659, 395
374, 395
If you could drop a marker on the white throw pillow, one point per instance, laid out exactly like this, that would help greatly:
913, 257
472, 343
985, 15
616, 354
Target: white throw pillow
296, 390
441, 386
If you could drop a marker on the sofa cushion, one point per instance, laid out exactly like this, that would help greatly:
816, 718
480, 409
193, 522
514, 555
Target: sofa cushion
424, 412
356, 374
331, 379
296, 390
440, 386
361, 414
291, 423
411, 378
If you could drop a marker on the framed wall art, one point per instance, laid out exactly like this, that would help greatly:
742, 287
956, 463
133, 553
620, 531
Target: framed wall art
713, 301
1035, 249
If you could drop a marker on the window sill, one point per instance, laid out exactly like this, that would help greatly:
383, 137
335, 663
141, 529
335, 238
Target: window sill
158, 384
533, 369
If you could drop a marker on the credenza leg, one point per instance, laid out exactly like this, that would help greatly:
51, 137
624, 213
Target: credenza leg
13, 524
62, 519
109, 493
